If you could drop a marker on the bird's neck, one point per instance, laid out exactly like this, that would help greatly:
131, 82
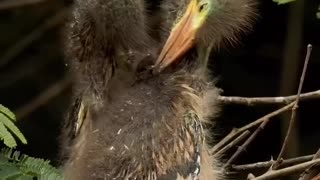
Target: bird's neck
203, 57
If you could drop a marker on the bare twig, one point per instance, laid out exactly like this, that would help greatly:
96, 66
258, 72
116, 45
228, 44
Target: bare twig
250, 101
294, 108
288, 171
246, 143
9, 4
221, 143
268, 116
311, 172
234, 142
16, 49
236, 132
267, 164
43, 98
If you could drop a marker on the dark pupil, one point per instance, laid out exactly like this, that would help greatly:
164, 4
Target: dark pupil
202, 6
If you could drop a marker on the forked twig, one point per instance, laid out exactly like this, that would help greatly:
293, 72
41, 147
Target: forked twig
237, 132
267, 164
294, 109
268, 116
246, 143
273, 174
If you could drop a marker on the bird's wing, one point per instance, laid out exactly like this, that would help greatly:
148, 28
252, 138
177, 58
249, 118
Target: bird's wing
75, 118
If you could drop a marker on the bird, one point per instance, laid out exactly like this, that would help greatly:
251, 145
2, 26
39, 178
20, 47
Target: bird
141, 108
204, 24
91, 47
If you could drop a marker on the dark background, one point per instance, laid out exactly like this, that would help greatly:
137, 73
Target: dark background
269, 61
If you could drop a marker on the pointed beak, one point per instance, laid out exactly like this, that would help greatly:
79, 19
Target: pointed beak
181, 39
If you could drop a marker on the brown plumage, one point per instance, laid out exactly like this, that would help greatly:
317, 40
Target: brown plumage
145, 130
126, 122
93, 42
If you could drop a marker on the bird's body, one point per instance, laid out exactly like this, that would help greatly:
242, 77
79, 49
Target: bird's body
150, 130
130, 119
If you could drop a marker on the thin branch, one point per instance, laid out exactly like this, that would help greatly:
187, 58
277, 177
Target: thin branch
246, 143
43, 98
16, 49
234, 142
224, 141
268, 116
250, 101
294, 108
311, 172
267, 164
237, 132
273, 174
264, 122
9, 4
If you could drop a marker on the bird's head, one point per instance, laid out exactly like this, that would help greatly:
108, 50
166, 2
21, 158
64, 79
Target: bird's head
206, 23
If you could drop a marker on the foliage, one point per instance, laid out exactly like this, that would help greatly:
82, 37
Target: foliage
7, 128
283, 1
13, 165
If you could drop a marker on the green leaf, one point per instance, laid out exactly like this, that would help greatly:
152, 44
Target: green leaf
6, 136
7, 112
13, 128
14, 166
282, 1
7, 128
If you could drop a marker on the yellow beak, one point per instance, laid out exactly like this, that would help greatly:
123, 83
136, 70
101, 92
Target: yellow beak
181, 39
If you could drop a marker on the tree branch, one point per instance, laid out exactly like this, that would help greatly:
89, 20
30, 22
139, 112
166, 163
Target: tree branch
251, 101
246, 143
311, 172
294, 109
273, 174
224, 141
234, 142
236, 132
267, 164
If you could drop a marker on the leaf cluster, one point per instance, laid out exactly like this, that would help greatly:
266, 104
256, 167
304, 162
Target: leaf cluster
8, 128
14, 165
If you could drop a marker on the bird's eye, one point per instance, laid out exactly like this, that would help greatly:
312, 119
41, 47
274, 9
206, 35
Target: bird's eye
203, 6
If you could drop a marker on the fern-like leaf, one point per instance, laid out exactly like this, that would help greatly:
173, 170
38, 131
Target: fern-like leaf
283, 1
13, 128
5, 111
6, 136
14, 165
7, 128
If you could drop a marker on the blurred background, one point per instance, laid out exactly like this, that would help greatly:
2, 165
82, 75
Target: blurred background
268, 62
